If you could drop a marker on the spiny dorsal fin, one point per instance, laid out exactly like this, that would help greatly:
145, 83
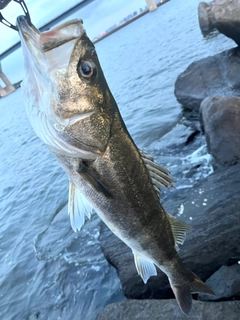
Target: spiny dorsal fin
179, 230
159, 175
145, 268
78, 207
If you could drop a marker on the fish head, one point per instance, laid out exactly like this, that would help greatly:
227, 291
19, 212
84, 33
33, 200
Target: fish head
66, 95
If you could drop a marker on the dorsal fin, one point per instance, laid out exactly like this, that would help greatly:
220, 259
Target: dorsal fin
179, 230
78, 207
159, 175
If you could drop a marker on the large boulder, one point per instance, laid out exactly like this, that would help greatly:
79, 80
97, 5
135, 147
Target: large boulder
204, 17
225, 283
168, 309
212, 208
211, 76
221, 122
222, 15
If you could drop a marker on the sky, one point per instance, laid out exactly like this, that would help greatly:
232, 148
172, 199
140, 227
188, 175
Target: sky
98, 15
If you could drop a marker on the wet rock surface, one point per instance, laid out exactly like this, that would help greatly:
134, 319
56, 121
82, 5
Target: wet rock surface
211, 207
225, 283
180, 136
168, 309
211, 76
221, 123
221, 15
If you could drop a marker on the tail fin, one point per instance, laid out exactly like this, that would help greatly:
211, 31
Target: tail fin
183, 292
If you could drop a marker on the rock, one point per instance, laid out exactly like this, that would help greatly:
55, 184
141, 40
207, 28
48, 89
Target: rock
168, 309
180, 136
212, 208
225, 283
204, 19
222, 15
211, 76
221, 118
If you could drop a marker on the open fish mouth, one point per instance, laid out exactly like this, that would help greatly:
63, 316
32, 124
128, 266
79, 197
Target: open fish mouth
50, 39
51, 49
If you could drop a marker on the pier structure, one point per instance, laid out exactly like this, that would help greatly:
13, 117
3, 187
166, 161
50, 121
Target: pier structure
8, 88
151, 5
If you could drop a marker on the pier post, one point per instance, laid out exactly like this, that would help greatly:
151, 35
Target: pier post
151, 5
4, 91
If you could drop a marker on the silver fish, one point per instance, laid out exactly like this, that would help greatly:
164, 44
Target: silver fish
72, 110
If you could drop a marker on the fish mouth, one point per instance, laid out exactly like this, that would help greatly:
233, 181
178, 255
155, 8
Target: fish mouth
40, 45
51, 39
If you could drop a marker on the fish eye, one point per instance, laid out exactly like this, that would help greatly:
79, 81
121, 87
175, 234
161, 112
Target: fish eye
86, 69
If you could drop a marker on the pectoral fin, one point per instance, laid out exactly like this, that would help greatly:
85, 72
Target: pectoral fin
179, 230
95, 183
78, 207
145, 268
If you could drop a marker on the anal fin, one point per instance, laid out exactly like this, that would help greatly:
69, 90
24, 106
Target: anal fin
145, 268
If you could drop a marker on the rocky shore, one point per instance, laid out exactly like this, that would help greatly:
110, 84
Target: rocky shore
168, 309
209, 92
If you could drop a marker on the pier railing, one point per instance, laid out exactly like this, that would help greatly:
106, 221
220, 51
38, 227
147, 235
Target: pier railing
8, 88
